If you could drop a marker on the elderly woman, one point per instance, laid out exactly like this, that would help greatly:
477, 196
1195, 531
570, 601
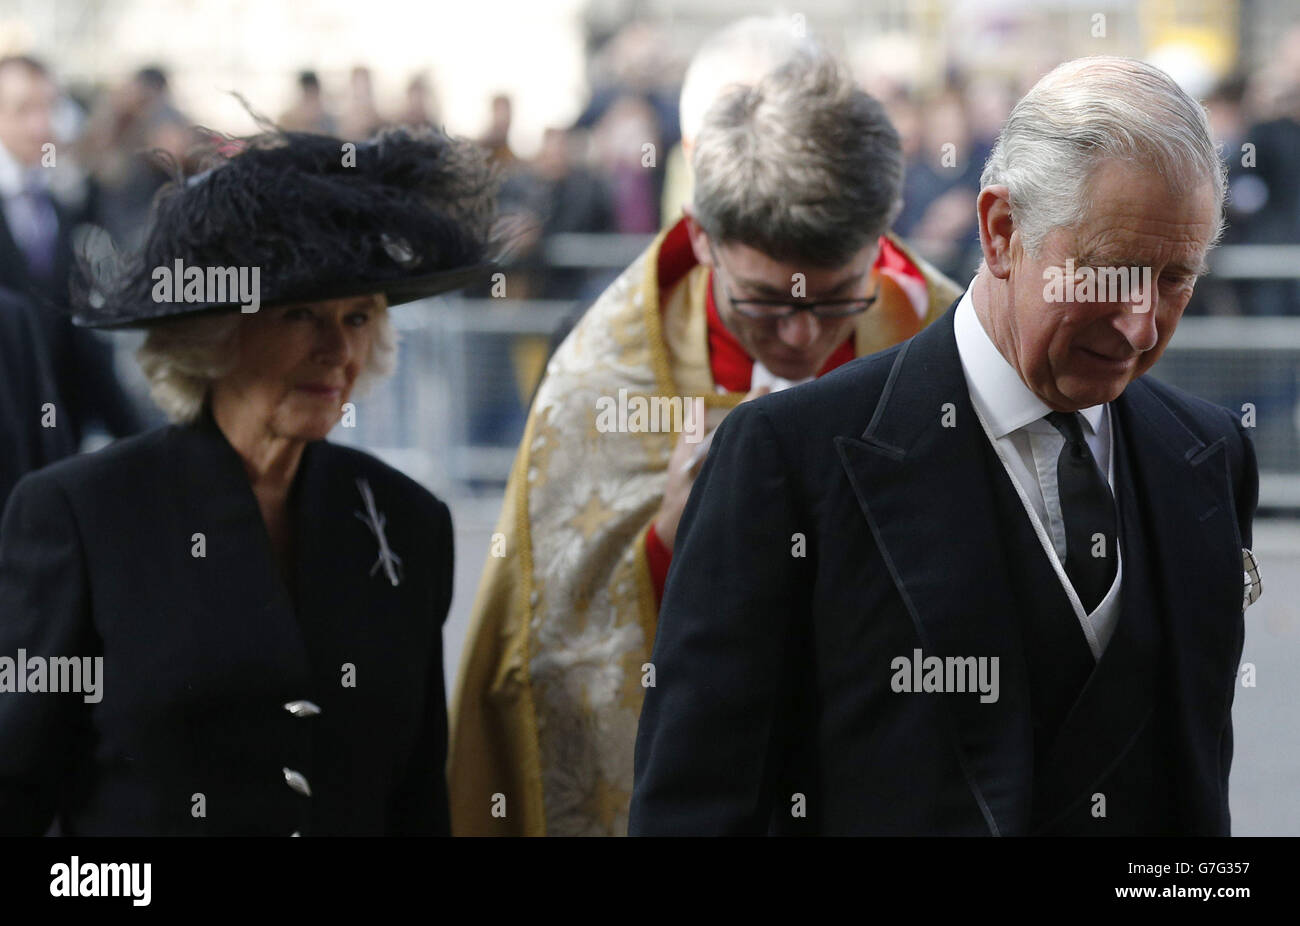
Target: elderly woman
229, 625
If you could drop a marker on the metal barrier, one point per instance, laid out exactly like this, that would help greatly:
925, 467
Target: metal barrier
453, 413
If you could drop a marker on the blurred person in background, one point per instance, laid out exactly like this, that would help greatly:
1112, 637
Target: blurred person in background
421, 108
27, 396
740, 53
633, 80
1229, 121
941, 182
360, 117
1275, 192
36, 255
308, 112
131, 126
497, 137
753, 289
555, 194
627, 139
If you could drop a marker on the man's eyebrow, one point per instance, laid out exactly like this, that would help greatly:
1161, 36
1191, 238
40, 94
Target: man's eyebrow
1110, 260
759, 286
845, 283
1199, 269
1107, 259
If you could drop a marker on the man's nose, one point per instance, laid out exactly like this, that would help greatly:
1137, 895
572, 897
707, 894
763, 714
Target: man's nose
799, 331
1137, 323
39, 124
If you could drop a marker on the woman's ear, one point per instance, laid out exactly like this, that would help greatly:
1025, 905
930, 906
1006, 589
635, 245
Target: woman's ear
996, 228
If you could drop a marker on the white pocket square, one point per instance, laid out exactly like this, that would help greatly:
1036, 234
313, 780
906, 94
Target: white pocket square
1254, 586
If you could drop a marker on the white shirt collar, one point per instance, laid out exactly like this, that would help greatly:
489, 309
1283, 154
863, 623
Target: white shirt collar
1003, 398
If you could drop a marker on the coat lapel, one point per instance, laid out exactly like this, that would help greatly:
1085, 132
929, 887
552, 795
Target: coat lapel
924, 489
1195, 543
331, 564
237, 582
1195, 563
338, 597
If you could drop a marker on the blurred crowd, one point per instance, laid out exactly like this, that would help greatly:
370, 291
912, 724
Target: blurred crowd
619, 168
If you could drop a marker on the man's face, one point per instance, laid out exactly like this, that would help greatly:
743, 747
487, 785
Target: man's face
27, 101
792, 348
1076, 354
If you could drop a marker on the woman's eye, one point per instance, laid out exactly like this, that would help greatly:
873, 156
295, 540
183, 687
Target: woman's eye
358, 319
297, 313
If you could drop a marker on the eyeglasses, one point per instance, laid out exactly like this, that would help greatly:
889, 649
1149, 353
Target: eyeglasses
775, 309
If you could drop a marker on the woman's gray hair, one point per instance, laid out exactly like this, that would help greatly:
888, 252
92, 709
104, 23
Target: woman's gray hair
803, 166
183, 358
1088, 111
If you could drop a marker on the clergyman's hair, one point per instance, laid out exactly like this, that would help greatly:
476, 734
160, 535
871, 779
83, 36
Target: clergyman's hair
802, 166
740, 53
1086, 112
182, 358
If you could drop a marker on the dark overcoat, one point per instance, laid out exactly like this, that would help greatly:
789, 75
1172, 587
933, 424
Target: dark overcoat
851, 522
231, 701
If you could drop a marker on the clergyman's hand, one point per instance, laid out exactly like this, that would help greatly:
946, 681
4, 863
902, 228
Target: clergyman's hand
681, 476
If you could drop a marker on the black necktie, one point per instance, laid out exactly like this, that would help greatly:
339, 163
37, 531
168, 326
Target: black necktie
1089, 512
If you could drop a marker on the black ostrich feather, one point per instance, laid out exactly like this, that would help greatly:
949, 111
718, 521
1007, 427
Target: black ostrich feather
407, 213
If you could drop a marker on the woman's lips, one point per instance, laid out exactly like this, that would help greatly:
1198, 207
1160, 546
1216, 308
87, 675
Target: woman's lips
323, 392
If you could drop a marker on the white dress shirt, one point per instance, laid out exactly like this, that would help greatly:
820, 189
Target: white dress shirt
1028, 446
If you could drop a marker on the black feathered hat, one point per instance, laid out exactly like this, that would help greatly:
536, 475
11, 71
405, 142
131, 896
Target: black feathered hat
407, 213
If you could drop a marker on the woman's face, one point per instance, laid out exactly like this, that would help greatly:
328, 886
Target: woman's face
298, 364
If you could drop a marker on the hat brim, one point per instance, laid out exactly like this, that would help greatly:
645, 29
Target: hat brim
397, 292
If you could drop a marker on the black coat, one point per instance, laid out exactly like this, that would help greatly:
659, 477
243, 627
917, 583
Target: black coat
201, 655
773, 708
26, 388
80, 362
14, 272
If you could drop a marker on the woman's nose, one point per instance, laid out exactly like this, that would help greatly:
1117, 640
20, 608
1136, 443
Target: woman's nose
332, 344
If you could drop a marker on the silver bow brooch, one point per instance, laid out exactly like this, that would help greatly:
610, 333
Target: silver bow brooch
372, 519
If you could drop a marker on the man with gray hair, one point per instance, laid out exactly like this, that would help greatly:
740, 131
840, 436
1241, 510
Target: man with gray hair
992, 580
782, 270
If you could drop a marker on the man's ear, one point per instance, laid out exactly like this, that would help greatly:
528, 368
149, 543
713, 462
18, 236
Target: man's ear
699, 238
996, 227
